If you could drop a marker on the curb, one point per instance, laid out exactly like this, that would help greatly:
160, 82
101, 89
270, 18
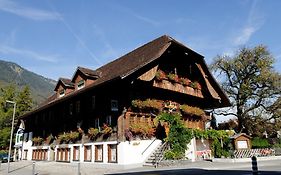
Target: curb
224, 160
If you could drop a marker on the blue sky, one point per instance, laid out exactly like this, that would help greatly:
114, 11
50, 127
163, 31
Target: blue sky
52, 38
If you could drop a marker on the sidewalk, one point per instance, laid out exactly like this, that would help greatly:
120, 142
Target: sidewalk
56, 168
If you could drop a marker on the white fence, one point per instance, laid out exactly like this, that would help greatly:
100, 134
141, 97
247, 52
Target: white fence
246, 153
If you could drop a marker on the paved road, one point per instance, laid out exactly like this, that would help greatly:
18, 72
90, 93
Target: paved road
53, 168
202, 172
269, 167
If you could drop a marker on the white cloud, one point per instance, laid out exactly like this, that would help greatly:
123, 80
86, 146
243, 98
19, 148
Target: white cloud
28, 54
245, 35
134, 14
28, 12
254, 23
109, 52
145, 19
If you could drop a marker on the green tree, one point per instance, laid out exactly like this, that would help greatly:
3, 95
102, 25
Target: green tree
4, 137
8, 93
251, 83
24, 101
24, 104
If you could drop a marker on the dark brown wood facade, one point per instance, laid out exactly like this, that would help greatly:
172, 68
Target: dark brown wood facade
109, 91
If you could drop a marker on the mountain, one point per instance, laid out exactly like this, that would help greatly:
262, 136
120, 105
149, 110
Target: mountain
41, 87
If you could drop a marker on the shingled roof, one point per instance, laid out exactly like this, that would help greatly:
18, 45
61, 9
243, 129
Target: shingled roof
66, 82
130, 63
89, 73
136, 59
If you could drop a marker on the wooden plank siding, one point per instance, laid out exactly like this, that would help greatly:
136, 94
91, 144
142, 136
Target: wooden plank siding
134, 118
177, 87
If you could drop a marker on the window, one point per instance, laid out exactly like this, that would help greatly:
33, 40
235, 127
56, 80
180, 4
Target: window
17, 138
88, 153
30, 136
97, 123
99, 153
25, 154
93, 102
39, 154
76, 153
108, 119
63, 154
25, 137
114, 105
242, 144
70, 109
81, 84
112, 153
61, 93
78, 107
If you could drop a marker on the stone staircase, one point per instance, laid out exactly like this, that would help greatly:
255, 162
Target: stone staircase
157, 156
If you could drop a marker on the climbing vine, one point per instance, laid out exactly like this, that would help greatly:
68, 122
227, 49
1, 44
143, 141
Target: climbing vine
179, 136
220, 142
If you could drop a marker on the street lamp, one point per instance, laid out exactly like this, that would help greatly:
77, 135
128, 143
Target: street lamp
12, 130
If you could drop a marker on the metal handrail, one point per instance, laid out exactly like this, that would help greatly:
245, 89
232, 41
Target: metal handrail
148, 146
160, 157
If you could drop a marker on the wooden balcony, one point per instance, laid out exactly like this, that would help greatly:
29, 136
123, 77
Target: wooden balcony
177, 87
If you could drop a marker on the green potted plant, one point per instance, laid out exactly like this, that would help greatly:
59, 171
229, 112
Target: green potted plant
193, 85
190, 110
185, 81
106, 130
73, 136
63, 138
37, 141
148, 105
173, 78
143, 130
49, 139
92, 133
160, 75
197, 85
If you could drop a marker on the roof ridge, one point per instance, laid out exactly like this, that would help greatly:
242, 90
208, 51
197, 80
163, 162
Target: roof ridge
132, 51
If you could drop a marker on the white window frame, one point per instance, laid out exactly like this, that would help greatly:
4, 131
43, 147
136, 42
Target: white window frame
61, 92
108, 119
97, 123
80, 84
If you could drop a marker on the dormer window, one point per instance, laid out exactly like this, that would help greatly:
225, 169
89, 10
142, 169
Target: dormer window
81, 84
61, 93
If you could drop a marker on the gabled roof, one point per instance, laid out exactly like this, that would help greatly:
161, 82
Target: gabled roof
136, 59
239, 135
89, 73
65, 82
132, 62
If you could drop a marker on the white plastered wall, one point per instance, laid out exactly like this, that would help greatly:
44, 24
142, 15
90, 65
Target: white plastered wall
190, 153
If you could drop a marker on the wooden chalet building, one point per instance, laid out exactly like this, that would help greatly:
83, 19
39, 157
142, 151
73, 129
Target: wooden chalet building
107, 115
